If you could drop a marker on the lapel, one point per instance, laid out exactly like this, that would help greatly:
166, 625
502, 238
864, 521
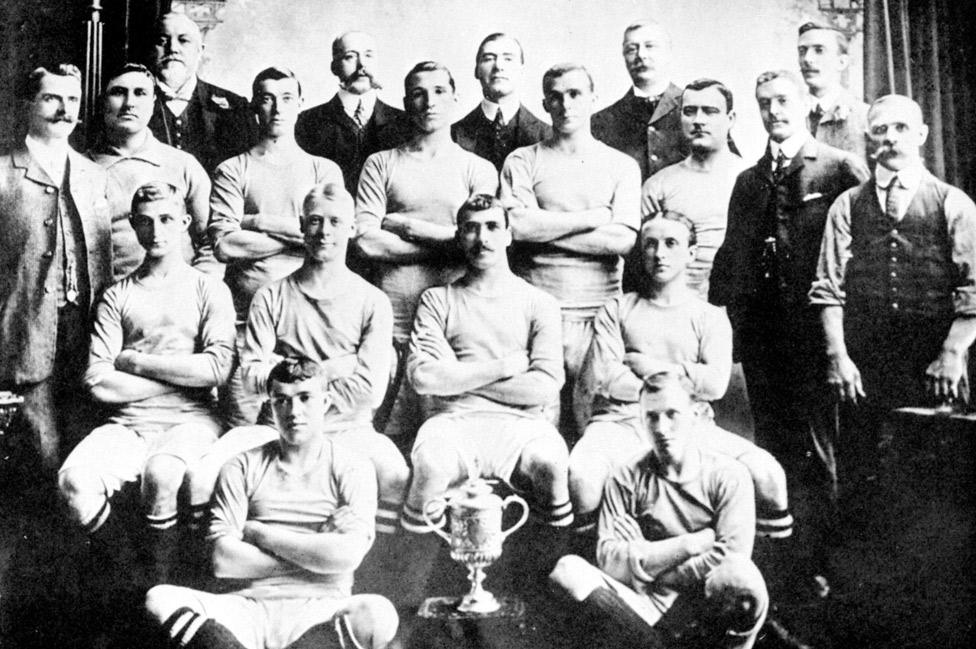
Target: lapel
339, 116
33, 171
79, 182
669, 101
382, 114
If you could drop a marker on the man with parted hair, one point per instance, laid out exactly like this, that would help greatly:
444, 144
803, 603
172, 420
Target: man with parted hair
675, 521
355, 123
500, 124
574, 206
836, 117
895, 288
206, 121
132, 156
291, 521
405, 214
55, 257
256, 206
163, 338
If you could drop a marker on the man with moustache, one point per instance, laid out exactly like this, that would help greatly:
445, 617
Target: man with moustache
500, 124
355, 123
132, 156
256, 204
836, 117
573, 202
405, 213
895, 286
55, 256
210, 123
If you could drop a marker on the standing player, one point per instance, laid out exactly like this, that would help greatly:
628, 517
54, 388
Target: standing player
405, 212
665, 328
291, 520
163, 339
256, 205
574, 204
676, 520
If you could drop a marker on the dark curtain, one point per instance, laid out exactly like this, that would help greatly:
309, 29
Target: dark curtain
926, 49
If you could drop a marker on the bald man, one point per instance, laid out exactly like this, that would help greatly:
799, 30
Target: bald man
355, 123
200, 118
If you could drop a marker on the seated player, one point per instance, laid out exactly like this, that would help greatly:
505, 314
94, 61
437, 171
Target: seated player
675, 520
486, 350
291, 520
326, 313
665, 328
163, 339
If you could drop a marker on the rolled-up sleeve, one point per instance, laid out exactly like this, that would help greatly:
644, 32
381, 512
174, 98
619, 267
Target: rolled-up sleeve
835, 252
371, 196
960, 214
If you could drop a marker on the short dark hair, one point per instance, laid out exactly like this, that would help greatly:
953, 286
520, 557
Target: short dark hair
294, 369
660, 381
427, 66
156, 190
32, 84
640, 24
328, 191
561, 69
677, 217
480, 203
497, 36
274, 72
126, 68
701, 84
843, 42
770, 75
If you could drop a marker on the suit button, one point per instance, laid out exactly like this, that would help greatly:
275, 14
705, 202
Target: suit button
894, 274
179, 121
894, 232
652, 129
894, 244
654, 158
47, 254
894, 305
894, 260
49, 190
48, 222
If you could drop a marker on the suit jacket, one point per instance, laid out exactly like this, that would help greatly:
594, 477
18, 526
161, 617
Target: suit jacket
792, 212
654, 143
843, 126
217, 124
28, 236
328, 132
475, 133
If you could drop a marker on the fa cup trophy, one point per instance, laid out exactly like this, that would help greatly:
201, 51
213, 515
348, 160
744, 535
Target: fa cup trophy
476, 536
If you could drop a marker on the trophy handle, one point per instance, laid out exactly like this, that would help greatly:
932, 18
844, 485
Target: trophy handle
441, 533
515, 498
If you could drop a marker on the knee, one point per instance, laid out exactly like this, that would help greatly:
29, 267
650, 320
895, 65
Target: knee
392, 473
81, 489
162, 601
545, 462
434, 462
587, 475
161, 478
737, 593
576, 576
371, 619
768, 477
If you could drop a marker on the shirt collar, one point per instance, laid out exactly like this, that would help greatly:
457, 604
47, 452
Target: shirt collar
790, 146
148, 152
910, 177
827, 103
650, 95
183, 93
350, 101
508, 105
52, 159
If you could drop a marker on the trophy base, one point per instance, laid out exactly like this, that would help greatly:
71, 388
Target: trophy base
451, 608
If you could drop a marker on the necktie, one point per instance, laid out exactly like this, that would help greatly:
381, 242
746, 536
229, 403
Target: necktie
891, 199
498, 141
813, 121
780, 169
358, 114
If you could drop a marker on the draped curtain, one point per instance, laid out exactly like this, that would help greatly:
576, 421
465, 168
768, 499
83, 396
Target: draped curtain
926, 49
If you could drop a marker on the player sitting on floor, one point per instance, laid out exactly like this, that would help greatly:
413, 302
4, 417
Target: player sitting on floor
674, 520
665, 328
163, 339
291, 520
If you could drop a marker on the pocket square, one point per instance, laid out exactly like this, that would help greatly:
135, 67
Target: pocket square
812, 197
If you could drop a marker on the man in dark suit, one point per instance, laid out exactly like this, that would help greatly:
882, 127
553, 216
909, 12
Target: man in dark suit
55, 256
763, 272
353, 124
646, 122
208, 122
500, 124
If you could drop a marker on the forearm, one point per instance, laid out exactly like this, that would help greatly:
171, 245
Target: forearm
962, 335
417, 230
528, 389
605, 240
625, 386
832, 320
236, 559
121, 387
380, 245
540, 226
446, 378
272, 225
709, 380
649, 559
244, 245
188, 370
322, 552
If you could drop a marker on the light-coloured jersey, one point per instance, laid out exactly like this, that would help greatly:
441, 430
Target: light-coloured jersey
398, 181
187, 313
284, 321
538, 176
255, 486
702, 196
247, 185
693, 334
455, 322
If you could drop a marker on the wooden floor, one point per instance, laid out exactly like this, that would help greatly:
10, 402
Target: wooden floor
901, 571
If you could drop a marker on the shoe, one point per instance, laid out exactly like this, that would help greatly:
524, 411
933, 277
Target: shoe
773, 635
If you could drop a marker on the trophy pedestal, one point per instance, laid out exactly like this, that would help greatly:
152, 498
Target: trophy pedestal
449, 608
